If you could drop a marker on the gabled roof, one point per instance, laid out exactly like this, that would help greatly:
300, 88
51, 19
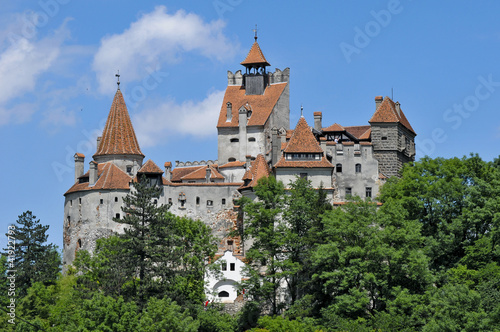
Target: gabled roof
334, 127
118, 136
150, 167
109, 177
179, 172
258, 169
236, 163
201, 173
303, 140
357, 131
386, 112
255, 56
262, 105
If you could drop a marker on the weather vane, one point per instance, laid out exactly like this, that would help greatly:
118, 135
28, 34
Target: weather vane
118, 82
255, 30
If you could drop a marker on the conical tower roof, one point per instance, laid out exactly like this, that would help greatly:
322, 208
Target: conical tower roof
255, 57
118, 137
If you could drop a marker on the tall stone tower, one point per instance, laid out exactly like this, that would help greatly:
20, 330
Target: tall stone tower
392, 136
96, 197
254, 102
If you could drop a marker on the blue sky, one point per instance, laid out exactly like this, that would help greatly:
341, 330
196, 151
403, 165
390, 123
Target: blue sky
58, 59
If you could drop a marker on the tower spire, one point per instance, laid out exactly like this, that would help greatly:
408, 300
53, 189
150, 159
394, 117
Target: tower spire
255, 30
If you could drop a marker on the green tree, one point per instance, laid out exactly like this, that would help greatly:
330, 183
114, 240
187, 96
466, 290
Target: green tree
33, 259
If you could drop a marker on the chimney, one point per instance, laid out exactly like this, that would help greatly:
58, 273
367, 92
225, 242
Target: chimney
208, 173
98, 142
168, 170
398, 108
79, 160
93, 173
248, 161
378, 101
318, 121
229, 109
275, 147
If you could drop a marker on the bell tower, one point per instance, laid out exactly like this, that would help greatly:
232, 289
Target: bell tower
255, 78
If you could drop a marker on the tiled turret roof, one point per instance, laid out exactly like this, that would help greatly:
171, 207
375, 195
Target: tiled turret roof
150, 167
258, 169
303, 140
387, 112
118, 136
255, 57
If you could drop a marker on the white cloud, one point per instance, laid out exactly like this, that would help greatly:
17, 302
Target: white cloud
18, 114
158, 37
155, 124
21, 63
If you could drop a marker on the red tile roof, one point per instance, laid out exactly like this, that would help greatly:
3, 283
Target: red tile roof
334, 127
150, 167
109, 177
303, 140
233, 164
201, 173
357, 131
179, 172
367, 134
387, 112
168, 164
255, 56
323, 163
118, 136
262, 105
81, 155
258, 169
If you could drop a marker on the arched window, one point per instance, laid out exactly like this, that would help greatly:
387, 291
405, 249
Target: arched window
197, 201
231, 160
234, 140
223, 294
79, 244
358, 168
339, 168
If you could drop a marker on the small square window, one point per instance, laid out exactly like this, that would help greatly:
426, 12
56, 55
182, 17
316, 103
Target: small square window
210, 203
230, 242
348, 191
224, 266
232, 266
102, 201
129, 169
303, 176
117, 216
116, 199
223, 201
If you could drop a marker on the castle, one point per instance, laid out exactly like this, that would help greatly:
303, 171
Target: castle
254, 140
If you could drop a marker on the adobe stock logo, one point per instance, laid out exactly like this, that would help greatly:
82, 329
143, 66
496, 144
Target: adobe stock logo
363, 37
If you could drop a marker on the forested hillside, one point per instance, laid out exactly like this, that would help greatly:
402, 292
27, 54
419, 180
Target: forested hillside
423, 257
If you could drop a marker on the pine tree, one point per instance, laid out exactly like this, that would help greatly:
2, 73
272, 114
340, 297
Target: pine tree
34, 259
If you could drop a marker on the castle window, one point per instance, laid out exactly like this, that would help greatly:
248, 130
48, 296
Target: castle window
223, 201
384, 138
197, 201
223, 294
339, 168
232, 266
368, 192
231, 160
303, 176
210, 203
234, 140
358, 168
348, 191
69, 220
182, 199
117, 216
129, 169
116, 199
80, 201
170, 201
71, 202
155, 202
224, 266
229, 242
79, 244
251, 139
